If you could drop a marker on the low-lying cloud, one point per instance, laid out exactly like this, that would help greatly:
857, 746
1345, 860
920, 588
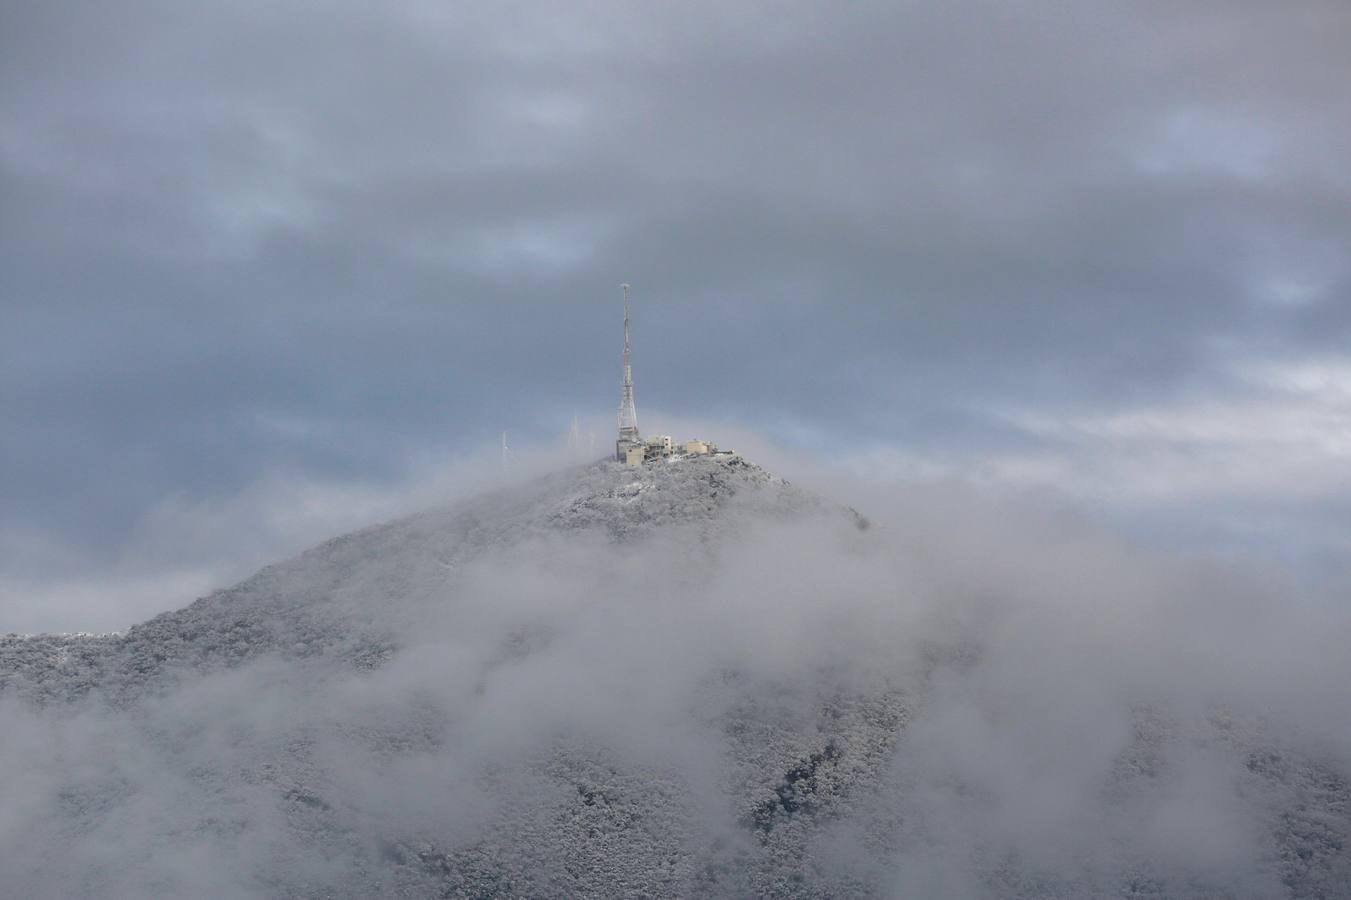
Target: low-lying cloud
1025, 699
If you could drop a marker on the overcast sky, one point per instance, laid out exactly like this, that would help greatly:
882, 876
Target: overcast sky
265, 265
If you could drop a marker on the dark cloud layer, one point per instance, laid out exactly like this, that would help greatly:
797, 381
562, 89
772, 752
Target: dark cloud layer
242, 237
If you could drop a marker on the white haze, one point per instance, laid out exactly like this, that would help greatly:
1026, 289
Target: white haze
182, 547
1078, 642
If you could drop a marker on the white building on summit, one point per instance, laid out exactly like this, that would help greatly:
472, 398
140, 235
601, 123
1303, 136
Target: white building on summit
630, 447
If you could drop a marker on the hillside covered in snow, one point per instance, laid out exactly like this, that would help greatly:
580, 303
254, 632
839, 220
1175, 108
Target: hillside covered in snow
686, 679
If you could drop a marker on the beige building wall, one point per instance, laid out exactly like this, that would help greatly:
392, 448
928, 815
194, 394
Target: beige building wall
634, 456
696, 447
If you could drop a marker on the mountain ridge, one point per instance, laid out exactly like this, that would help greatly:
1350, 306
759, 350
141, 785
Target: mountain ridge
627, 503
688, 678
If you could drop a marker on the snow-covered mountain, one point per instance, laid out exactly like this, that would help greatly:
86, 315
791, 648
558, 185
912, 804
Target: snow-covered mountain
689, 679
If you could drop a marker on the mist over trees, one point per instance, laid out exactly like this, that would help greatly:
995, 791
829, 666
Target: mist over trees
691, 679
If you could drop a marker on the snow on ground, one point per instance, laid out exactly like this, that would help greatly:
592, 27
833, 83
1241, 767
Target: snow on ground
694, 680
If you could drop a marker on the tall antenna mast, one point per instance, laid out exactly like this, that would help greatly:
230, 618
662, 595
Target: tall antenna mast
628, 415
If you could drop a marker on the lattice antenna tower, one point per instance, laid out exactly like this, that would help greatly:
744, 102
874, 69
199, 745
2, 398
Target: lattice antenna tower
628, 415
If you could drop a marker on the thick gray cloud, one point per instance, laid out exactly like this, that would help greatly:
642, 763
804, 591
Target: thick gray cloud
334, 239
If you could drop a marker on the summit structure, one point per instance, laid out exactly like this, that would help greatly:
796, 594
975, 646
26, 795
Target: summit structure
629, 435
630, 447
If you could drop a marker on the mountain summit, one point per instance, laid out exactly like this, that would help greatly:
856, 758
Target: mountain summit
688, 678
330, 601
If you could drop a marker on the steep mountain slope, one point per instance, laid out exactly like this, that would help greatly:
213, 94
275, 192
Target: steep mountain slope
688, 679
318, 604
